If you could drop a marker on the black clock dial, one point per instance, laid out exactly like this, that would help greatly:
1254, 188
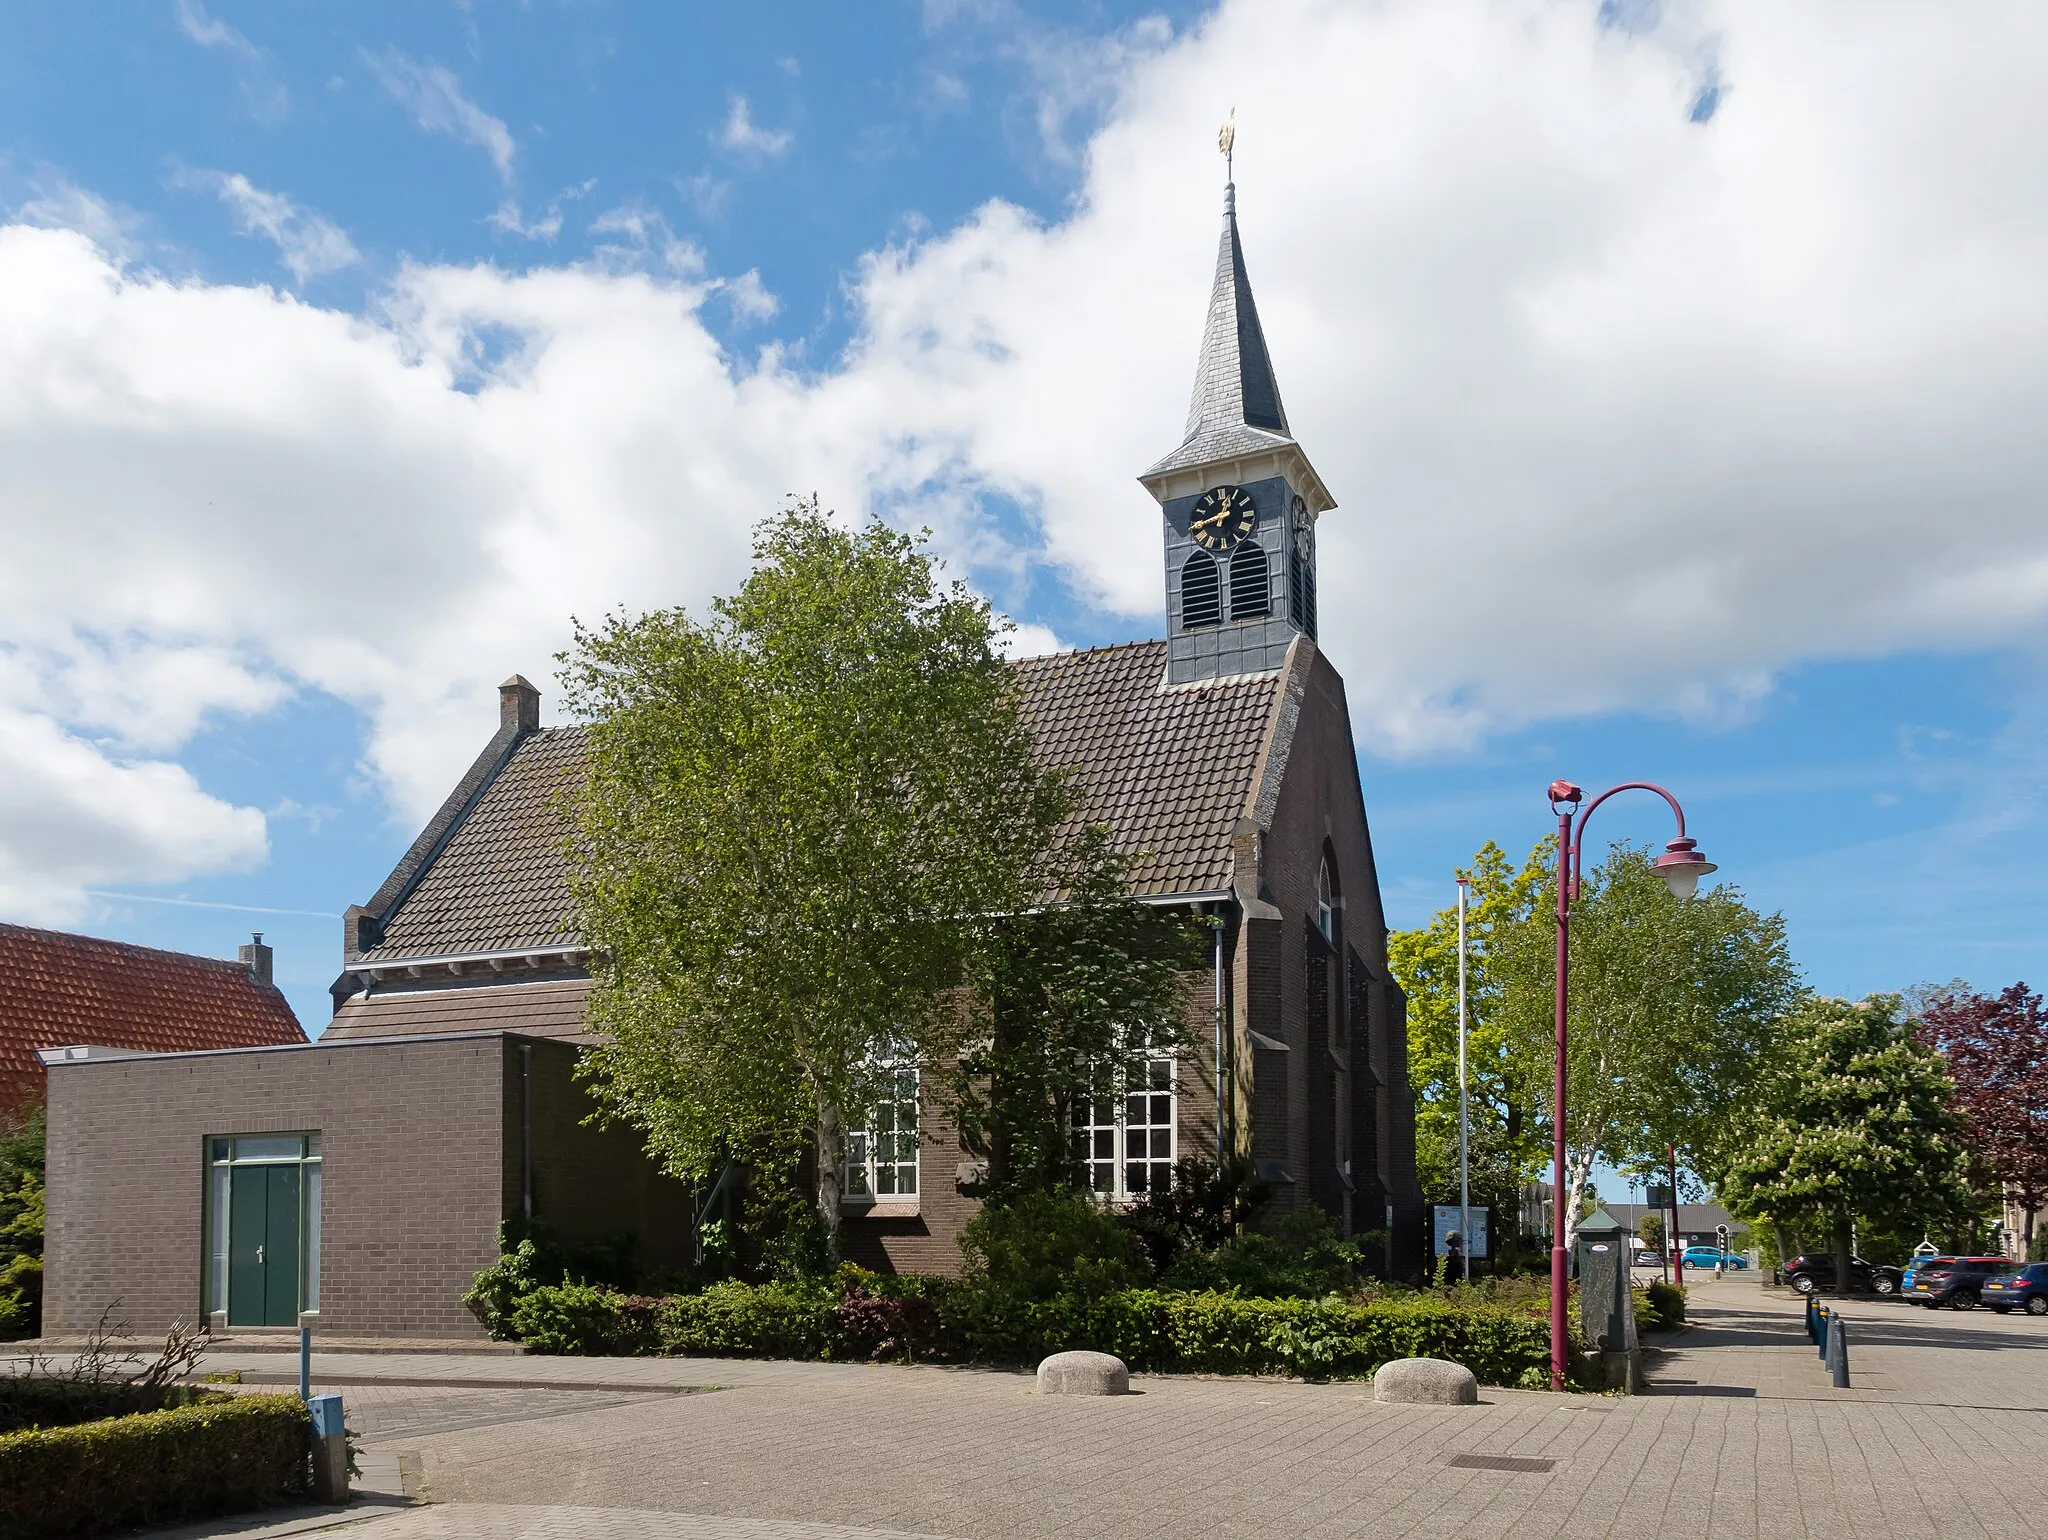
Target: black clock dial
1222, 517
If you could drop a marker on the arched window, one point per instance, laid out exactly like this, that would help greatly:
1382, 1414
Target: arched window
1326, 903
1251, 592
1201, 595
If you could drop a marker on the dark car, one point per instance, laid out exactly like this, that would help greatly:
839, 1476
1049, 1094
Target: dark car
1957, 1283
2026, 1289
1808, 1273
1919, 1265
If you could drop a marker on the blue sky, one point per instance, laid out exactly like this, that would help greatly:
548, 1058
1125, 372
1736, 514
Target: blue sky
1643, 470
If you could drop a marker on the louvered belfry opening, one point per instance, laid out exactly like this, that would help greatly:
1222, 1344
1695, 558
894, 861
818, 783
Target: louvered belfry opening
1201, 594
1302, 592
1251, 589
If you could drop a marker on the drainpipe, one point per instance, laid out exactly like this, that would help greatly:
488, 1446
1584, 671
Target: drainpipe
1222, 1146
526, 1130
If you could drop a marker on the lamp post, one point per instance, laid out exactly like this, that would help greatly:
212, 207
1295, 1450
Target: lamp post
1681, 866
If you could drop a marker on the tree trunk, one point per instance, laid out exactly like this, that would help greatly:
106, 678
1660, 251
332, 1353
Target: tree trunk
1784, 1257
1843, 1245
831, 1150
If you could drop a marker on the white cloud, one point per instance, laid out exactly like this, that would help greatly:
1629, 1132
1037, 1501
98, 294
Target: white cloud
743, 136
433, 95
72, 816
1620, 409
211, 32
307, 244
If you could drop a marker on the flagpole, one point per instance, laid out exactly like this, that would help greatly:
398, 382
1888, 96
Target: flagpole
1464, 1113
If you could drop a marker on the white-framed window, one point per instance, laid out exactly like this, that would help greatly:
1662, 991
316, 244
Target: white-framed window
1124, 1135
881, 1155
1326, 903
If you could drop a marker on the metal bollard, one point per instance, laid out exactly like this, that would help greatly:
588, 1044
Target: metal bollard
330, 1450
1820, 1341
1838, 1354
305, 1363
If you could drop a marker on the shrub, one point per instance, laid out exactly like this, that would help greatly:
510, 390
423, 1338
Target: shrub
1665, 1304
885, 1326
582, 1319
1302, 1255
1199, 1210
31, 1401
221, 1455
1039, 1246
534, 1257
770, 1320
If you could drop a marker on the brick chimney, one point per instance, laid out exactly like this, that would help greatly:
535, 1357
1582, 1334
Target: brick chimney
518, 704
255, 956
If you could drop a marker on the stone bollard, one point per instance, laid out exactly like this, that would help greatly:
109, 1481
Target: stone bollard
1426, 1381
1083, 1374
330, 1450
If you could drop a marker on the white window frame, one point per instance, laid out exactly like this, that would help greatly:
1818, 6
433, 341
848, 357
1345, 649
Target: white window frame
1326, 903
864, 1171
1104, 1123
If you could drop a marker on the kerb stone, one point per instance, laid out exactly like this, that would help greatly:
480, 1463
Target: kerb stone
1083, 1374
1427, 1381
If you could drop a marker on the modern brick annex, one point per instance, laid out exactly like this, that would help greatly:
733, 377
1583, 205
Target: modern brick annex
1221, 757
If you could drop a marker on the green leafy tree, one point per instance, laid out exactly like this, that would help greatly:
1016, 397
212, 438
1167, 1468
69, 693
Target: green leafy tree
1507, 1070
22, 1145
797, 816
1855, 1118
1066, 1001
1673, 1005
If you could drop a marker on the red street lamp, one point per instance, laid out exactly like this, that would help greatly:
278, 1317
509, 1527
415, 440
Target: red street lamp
1681, 866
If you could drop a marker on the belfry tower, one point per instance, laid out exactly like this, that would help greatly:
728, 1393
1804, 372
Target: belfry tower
1240, 499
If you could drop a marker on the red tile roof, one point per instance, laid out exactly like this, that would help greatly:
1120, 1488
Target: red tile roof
58, 989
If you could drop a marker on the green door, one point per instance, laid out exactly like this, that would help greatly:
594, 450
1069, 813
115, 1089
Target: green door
263, 1246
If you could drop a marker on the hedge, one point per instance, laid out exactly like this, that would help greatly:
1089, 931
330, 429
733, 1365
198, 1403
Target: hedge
220, 1455
1150, 1329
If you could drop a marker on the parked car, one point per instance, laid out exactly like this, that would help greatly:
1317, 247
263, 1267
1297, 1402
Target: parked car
1808, 1273
1957, 1283
1916, 1265
1708, 1256
2026, 1289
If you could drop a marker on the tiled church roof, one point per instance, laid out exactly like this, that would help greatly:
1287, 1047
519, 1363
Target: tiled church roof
501, 881
58, 989
1169, 770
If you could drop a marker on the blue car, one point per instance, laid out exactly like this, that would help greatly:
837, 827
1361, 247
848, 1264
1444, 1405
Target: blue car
1708, 1256
2025, 1288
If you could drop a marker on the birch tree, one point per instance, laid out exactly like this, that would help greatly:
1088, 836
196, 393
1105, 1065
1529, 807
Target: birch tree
797, 811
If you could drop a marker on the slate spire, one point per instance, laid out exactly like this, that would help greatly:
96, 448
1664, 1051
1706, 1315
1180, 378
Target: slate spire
1234, 381
1235, 407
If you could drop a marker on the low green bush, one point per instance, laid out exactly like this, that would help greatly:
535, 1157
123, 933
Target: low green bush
739, 1320
1302, 1255
1150, 1329
35, 1402
1664, 1303
224, 1454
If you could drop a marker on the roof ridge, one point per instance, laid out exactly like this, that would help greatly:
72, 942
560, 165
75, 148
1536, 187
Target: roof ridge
1081, 652
72, 936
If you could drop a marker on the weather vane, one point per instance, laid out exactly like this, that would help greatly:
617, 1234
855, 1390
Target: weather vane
1226, 139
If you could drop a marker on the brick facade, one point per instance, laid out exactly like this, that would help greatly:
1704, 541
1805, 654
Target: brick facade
421, 1159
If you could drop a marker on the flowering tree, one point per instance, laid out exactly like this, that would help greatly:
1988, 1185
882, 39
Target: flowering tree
1997, 1050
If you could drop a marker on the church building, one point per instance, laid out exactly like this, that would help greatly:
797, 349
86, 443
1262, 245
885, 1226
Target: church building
358, 1182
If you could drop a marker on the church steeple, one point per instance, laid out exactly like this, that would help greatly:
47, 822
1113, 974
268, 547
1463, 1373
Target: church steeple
1239, 496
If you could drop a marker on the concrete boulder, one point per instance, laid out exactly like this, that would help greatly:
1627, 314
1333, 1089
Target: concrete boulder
1083, 1374
1427, 1381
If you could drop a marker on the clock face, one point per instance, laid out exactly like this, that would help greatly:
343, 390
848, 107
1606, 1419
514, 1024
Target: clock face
1222, 517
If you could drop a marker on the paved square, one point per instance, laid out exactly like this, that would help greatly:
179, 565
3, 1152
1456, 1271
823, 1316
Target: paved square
1943, 1434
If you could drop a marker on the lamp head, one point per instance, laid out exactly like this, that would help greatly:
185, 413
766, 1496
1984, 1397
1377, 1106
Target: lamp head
1681, 866
1564, 791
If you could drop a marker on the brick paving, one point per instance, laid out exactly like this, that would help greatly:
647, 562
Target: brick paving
1741, 1434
